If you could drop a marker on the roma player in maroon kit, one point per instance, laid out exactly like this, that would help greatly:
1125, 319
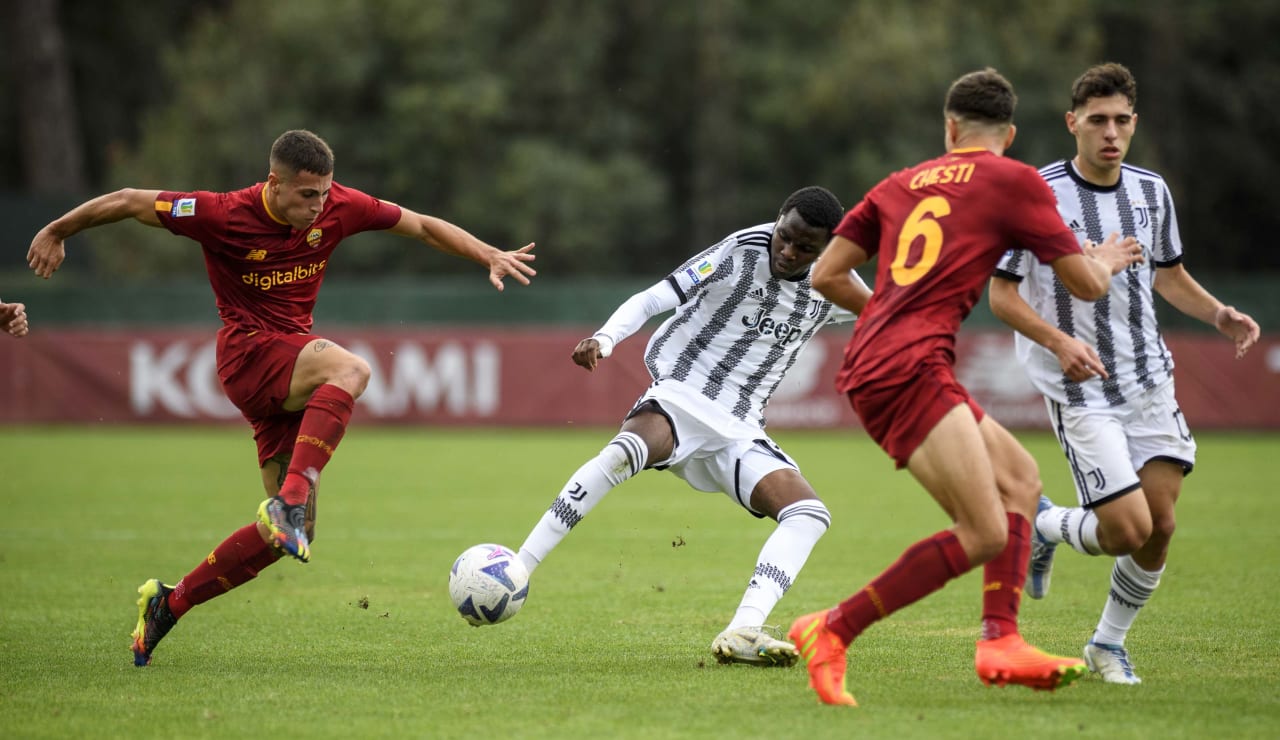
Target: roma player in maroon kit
266, 249
939, 228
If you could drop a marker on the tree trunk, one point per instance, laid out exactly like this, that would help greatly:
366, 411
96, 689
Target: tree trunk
51, 149
714, 174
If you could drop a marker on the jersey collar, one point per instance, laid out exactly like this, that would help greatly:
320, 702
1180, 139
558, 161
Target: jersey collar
1075, 175
267, 208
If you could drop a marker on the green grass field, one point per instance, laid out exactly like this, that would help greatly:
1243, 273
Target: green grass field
613, 641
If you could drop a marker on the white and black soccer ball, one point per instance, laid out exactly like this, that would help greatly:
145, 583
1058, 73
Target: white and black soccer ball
488, 584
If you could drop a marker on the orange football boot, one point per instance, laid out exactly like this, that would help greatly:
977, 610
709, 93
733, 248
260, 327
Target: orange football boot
824, 656
1010, 660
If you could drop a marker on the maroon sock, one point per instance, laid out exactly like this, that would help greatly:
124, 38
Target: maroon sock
323, 424
924, 568
236, 561
1002, 580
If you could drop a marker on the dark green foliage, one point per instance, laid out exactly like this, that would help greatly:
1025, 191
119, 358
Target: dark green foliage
624, 136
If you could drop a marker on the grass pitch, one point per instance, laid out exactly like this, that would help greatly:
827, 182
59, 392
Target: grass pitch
613, 642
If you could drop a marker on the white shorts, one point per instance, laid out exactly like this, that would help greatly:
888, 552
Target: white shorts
714, 450
1106, 447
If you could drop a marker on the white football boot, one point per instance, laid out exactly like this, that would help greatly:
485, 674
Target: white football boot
755, 646
1111, 662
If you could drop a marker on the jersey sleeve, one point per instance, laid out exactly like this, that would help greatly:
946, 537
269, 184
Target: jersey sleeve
198, 215
633, 313
1035, 224
1014, 265
1167, 248
367, 213
861, 225
692, 276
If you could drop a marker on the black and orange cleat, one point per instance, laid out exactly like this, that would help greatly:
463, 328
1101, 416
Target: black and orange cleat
154, 620
287, 525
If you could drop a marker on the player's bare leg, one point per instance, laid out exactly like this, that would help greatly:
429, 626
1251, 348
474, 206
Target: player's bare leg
644, 437
273, 472
974, 472
1135, 577
235, 561
326, 381
786, 497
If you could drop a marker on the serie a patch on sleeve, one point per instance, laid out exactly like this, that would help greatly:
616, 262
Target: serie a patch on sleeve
699, 271
183, 207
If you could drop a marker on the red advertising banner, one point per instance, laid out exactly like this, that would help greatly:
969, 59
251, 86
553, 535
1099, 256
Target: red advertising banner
463, 376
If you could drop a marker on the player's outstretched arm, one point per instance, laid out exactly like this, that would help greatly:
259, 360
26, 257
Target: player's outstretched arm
833, 276
48, 248
1088, 276
625, 321
451, 239
1078, 360
13, 319
1184, 293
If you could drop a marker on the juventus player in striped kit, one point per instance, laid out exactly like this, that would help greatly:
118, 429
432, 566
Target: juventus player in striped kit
744, 310
1113, 407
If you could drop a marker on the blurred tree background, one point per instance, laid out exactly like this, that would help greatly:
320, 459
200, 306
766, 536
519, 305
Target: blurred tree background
620, 135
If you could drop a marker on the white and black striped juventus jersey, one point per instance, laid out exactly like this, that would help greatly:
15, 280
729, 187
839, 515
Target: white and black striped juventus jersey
737, 329
1122, 324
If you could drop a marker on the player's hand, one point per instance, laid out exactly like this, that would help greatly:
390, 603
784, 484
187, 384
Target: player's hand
46, 253
13, 318
1115, 253
587, 353
513, 263
1078, 360
1240, 327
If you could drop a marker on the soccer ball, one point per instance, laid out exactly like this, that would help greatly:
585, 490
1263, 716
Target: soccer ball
488, 584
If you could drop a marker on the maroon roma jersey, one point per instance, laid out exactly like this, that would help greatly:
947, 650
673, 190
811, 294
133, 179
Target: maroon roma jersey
939, 229
265, 274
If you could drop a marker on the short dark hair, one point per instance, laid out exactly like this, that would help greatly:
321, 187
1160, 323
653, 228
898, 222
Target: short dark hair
1103, 81
300, 150
818, 207
984, 96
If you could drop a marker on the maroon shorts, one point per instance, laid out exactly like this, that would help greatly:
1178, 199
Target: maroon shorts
255, 369
899, 416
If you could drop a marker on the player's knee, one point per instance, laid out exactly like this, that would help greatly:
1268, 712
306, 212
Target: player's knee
1128, 536
809, 513
624, 456
357, 374
1027, 484
1020, 485
983, 544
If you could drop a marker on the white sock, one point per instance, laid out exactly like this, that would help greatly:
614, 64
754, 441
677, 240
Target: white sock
800, 525
623, 457
1075, 526
1131, 588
